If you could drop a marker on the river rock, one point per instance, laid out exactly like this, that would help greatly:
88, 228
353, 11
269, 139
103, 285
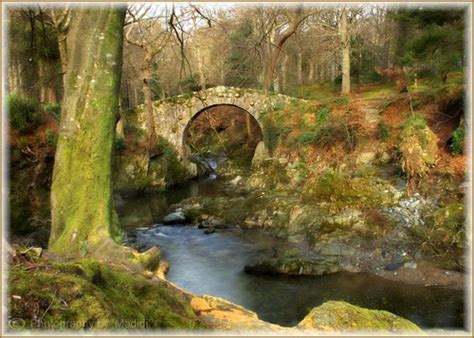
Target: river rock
345, 317
174, 218
391, 266
295, 266
410, 265
209, 231
236, 180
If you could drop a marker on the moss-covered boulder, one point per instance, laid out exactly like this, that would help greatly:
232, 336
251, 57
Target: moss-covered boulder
443, 237
136, 171
340, 316
269, 174
90, 295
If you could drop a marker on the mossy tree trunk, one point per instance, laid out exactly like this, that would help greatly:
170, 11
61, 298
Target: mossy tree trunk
82, 212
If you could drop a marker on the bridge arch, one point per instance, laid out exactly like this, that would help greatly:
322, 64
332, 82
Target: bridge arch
173, 115
210, 109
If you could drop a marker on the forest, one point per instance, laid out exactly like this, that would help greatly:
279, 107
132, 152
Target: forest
258, 168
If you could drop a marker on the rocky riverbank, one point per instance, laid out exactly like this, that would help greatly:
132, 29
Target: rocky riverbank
378, 229
46, 294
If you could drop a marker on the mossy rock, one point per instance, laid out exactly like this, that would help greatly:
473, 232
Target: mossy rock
447, 239
293, 264
450, 217
344, 317
134, 170
341, 190
90, 295
419, 148
269, 174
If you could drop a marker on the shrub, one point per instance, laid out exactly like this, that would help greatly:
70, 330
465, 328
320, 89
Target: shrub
51, 137
444, 236
23, 112
53, 109
457, 141
323, 114
331, 129
419, 150
302, 170
270, 132
384, 131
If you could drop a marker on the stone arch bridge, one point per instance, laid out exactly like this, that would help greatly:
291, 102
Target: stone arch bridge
173, 115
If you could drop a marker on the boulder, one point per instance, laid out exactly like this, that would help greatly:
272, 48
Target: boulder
345, 317
175, 218
261, 153
295, 266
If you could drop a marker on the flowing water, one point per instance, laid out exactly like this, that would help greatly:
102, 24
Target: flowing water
213, 264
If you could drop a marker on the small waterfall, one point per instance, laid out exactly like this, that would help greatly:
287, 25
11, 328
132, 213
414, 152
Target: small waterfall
209, 162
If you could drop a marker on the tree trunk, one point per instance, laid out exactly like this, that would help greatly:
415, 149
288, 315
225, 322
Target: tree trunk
346, 54
248, 125
270, 68
30, 72
83, 219
202, 75
311, 72
284, 72
276, 84
147, 76
62, 53
300, 68
61, 17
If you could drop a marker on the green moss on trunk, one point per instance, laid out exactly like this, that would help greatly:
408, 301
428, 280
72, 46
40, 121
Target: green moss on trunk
83, 216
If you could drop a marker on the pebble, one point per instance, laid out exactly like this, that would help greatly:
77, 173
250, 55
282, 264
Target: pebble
410, 265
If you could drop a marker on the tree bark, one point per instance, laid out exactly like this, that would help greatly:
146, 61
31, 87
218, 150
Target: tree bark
63, 53
300, 68
61, 18
346, 53
83, 218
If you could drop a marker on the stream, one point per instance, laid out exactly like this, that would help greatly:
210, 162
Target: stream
213, 264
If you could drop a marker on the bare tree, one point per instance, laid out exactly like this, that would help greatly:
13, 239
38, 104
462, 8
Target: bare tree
145, 29
281, 33
339, 23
